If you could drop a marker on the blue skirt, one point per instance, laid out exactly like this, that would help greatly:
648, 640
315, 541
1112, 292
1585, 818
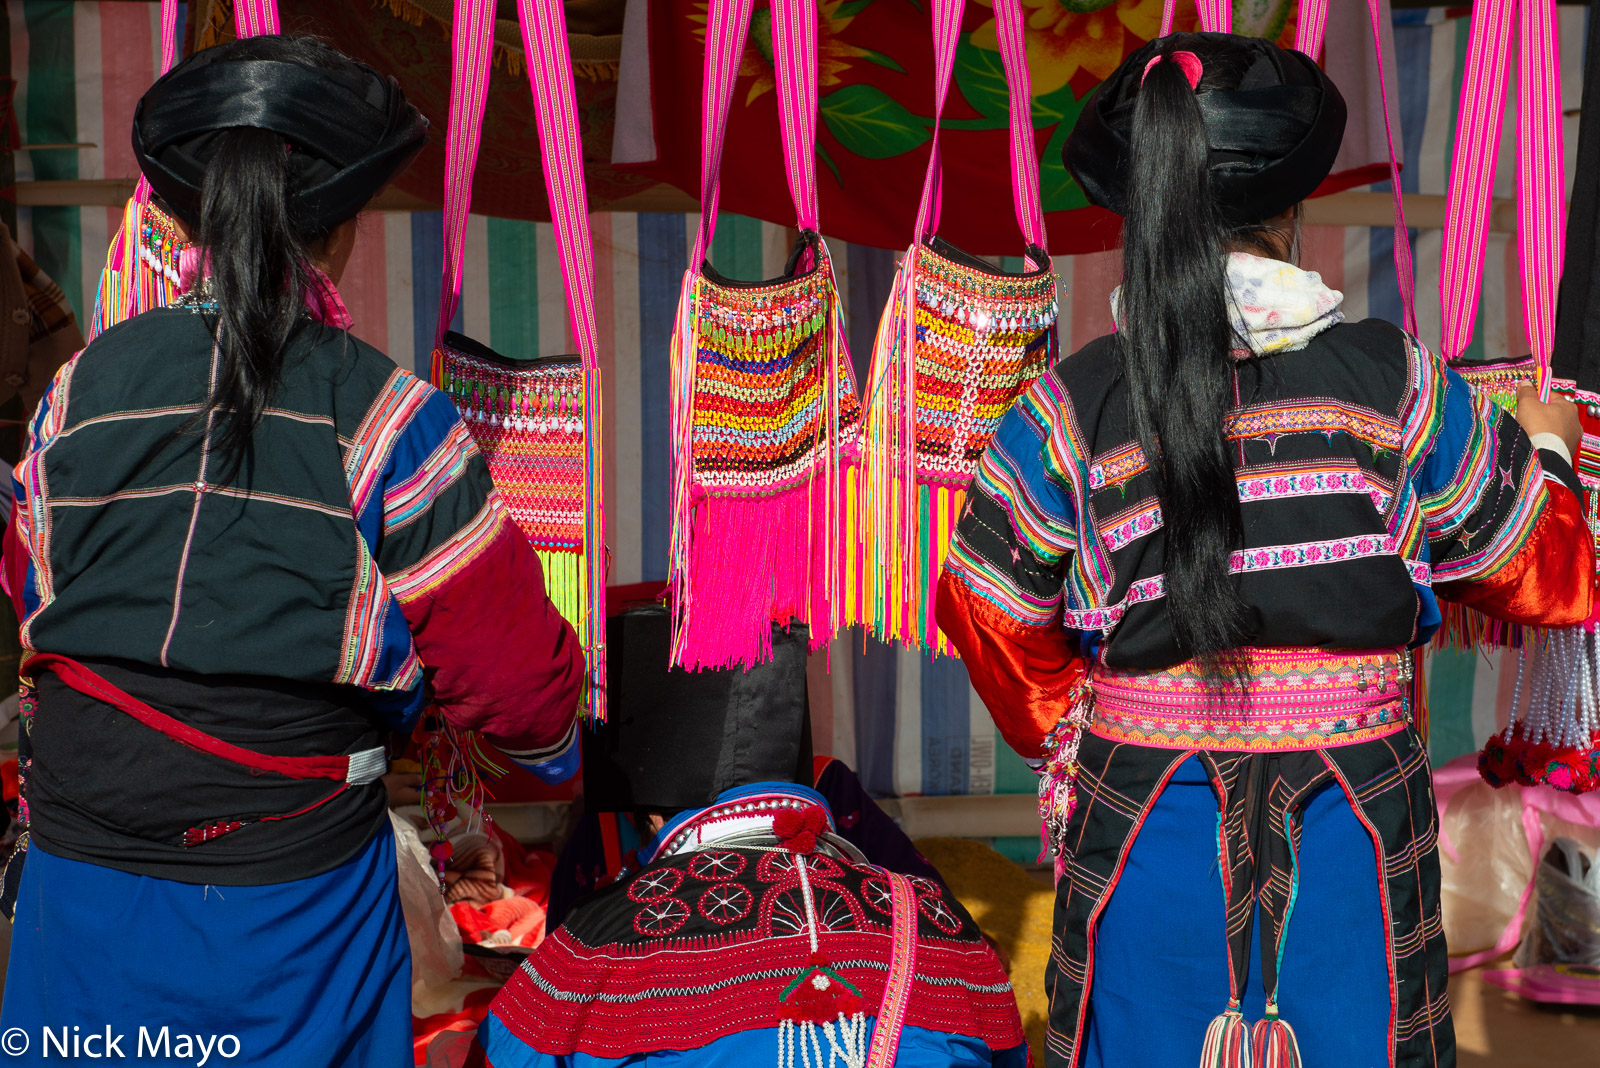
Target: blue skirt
310, 973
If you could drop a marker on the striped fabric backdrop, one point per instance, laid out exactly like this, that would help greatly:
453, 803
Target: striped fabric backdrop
911, 725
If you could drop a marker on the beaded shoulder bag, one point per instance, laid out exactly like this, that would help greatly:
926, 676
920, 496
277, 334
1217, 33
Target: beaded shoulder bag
958, 341
1553, 737
763, 395
533, 418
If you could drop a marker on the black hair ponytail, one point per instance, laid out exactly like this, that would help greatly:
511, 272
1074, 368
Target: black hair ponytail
1176, 342
256, 272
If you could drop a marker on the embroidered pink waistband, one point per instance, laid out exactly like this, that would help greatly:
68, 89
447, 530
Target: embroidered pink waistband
1289, 699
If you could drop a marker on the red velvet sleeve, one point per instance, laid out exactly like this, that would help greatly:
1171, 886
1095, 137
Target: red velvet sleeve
1024, 674
1550, 581
499, 658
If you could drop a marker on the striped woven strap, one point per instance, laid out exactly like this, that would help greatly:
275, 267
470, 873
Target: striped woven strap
1168, 11
254, 17
1311, 26
1405, 276
471, 47
902, 971
544, 39
1025, 196
1216, 16
794, 49
169, 56
1540, 180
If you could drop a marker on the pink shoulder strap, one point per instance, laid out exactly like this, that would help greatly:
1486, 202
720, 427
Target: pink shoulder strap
254, 17
471, 48
1311, 26
1540, 207
544, 39
1216, 16
1405, 276
902, 972
1009, 29
794, 49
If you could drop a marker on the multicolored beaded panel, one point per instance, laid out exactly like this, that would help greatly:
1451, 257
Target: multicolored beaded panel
761, 408
144, 266
958, 342
761, 452
1290, 699
526, 417
981, 339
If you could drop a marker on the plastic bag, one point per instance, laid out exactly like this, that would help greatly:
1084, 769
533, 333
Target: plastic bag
1484, 864
1567, 926
435, 943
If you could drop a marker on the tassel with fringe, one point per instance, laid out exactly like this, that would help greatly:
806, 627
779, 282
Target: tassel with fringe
1227, 1043
1553, 738
147, 266
1273, 1044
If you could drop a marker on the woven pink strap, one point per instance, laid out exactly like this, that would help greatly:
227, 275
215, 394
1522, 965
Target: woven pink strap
1311, 26
544, 39
169, 56
727, 27
471, 48
252, 18
1168, 11
902, 972
1404, 274
1539, 174
1009, 29
1216, 16
794, 48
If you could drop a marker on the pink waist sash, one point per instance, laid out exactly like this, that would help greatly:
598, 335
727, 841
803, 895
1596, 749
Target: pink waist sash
1290, 699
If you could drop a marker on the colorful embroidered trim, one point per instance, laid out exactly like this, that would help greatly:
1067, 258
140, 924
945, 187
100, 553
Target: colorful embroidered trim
1291, 699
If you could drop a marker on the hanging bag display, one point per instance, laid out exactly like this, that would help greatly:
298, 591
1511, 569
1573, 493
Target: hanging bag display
763, 396
958, 341
535, 419
1553, 737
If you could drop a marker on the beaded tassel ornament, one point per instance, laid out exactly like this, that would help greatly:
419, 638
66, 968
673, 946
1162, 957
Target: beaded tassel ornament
527, 418
147, 266
764, 403
819, 1000
453, 793
955, 347
1058, 793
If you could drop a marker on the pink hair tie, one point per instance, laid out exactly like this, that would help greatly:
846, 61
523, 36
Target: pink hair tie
1187, 62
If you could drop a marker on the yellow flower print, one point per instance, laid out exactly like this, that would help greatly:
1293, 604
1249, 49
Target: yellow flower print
1061, 41
833, 54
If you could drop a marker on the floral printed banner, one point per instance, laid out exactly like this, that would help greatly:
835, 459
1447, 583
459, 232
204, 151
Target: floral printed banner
876, 107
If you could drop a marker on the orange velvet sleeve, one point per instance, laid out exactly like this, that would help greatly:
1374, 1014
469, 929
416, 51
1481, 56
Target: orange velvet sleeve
1550, 581
1024, 674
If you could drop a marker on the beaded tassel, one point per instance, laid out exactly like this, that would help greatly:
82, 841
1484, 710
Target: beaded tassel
955, 346
1553, 738
1227, 1043
763, 403
820, 1000
145, 266
453, 794
1058, 795
1273, 1044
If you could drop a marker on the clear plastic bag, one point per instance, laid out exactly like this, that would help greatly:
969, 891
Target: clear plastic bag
435, 942
1566, 929
1484, 879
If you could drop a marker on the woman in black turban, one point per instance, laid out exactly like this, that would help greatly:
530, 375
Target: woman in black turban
241, 536
1189, 578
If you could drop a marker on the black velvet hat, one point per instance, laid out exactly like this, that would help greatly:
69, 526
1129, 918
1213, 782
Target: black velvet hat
350, 130
1273, 136
675, 739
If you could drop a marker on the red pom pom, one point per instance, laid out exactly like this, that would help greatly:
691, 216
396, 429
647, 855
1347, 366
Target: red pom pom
797, 829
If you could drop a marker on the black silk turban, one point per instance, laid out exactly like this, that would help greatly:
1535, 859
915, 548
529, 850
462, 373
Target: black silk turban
350, 131
1273, 138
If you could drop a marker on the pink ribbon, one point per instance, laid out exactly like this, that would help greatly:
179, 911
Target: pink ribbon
1188, 62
